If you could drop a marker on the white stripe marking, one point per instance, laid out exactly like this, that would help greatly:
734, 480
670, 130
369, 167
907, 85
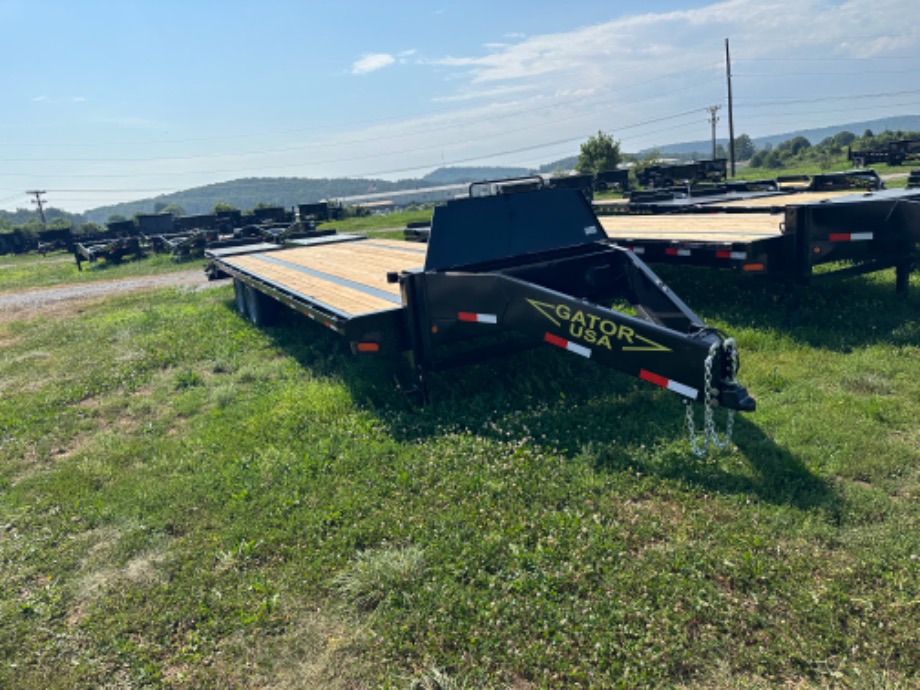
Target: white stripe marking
680, 388
578, 349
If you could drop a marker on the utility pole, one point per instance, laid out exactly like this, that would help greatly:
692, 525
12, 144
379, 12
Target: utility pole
731, 121
38, 200
713, 118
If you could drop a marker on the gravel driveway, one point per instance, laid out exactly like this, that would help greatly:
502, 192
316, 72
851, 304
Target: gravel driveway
63, 298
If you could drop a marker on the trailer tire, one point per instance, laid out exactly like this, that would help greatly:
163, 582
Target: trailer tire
261, 308
239, 291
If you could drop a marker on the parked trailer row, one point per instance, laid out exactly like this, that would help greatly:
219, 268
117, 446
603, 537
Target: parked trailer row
694, 172
186, 237
535, 268
894, 153
690, 198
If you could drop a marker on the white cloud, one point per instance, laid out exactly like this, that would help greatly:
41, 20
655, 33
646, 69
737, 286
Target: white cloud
497, 92
371, 62
59, 99
654, 43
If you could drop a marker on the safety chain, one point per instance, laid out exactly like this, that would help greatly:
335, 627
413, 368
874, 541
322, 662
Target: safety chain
699, 443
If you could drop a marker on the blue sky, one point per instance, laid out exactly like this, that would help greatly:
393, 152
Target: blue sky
107, 101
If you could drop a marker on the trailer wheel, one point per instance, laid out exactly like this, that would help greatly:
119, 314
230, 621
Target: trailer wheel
239, 291
262, 309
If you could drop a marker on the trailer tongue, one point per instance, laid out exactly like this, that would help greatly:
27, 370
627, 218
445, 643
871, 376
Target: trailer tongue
499, 272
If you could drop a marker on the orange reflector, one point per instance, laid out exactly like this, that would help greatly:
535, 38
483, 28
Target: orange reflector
368, 347
753, 268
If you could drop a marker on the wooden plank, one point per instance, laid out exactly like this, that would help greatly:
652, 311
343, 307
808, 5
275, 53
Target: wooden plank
783, 200
363, 263
715, 227
358, 262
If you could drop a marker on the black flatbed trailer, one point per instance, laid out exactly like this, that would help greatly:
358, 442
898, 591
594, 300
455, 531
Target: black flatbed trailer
782, 236
534, 266
744, 196
729, 202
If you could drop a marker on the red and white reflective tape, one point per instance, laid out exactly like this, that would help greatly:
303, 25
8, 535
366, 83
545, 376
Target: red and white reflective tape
567, 345
635, 250
674, 251
477, 318
725, 254
850, 236
679, 388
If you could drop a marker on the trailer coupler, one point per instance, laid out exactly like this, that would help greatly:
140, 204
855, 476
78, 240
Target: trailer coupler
734, 396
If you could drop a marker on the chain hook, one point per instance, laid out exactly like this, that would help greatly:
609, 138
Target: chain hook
699, 443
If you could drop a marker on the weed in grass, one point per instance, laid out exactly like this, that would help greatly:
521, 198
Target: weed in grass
253, 373
384, 573
221, 366
224, 395
435, 678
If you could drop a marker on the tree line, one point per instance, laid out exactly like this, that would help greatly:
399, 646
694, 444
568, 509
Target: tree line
602, 152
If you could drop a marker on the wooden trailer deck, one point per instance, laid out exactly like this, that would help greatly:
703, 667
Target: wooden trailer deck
715, 227
783, 200
348, 278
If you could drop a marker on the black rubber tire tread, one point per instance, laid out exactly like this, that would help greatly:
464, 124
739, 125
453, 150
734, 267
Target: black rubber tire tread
261, 308
239, 291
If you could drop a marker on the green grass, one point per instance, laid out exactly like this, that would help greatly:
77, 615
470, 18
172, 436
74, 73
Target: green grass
748, 173
390, 221
32, 270
187, 501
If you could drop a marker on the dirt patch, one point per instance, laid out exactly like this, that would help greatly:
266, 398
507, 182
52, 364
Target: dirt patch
75, 298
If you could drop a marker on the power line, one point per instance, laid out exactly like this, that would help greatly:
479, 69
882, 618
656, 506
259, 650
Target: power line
805, 58
109, 191
597, 106
18, 195
771, 100
362, 156
527, 108
824, 74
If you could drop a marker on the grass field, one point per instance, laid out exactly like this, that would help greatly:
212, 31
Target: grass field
392, 221
28, 271
187, 501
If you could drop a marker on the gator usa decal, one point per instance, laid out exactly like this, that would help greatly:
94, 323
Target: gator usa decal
595, 330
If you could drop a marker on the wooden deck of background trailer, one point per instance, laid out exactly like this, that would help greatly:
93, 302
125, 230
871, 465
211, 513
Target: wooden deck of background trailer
715, 227
349, 278
783, 200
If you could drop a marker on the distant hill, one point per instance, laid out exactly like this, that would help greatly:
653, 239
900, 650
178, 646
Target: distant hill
703, 147
290, 191
248, 192
461, 175
567, 163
